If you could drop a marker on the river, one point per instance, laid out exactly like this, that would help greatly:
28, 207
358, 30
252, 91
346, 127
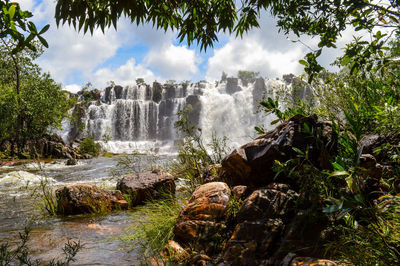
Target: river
99, 234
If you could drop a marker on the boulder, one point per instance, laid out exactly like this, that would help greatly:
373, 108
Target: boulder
146, 186
252, 164
203, 215
84, 198
71, 162
260, 222
173, 251
239, 192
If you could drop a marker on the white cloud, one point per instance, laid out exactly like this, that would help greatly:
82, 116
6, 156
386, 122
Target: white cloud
74, 88
124, 75
26, 4
173, 62
252, 55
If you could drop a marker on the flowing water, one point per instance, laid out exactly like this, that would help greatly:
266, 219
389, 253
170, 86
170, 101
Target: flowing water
99, 234
125, 119
142, 117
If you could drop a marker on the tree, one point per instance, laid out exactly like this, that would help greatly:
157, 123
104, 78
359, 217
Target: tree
15, 26
201, 21
37, 106
139, 81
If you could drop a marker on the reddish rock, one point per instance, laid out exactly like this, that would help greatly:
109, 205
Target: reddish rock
252, 163
146, 186
239, 192
204, 214
261, 220
172, 250
84, 198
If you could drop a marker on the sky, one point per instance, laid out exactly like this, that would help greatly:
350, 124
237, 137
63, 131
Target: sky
131, 52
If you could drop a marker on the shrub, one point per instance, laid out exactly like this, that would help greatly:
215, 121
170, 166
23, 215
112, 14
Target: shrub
89, 146
193, 154
154, 224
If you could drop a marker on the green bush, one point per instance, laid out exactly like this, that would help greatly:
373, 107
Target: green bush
89, 146
193, 154
154, 223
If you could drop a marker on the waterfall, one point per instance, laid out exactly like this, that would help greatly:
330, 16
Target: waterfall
141, 117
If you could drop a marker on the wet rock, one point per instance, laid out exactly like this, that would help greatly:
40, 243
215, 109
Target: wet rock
369, 143
251, 164
232, 85
146, 186
71, 162
194, 113
118, 92
259, 92
157, 92
239, 192
169, 91
261, 220
204, 214
172, 250
370, 166
84, 198
200, 260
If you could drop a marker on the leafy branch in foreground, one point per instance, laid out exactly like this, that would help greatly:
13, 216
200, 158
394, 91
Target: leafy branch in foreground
201, 21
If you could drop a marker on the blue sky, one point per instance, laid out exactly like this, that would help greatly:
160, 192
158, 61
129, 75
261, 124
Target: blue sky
74, 59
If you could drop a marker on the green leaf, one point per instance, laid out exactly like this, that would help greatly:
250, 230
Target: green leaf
298, 151
337, 166
45, 28
11, 12
303, 62
345, 60
43, 41
275, 121
339, 173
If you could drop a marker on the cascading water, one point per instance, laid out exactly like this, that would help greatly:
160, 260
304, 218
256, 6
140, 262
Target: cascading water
141, 117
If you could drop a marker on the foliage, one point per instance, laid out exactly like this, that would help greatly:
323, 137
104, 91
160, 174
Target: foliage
139, 81
47, 196
89, 146
20, 101
15, 26
247, 75
270, 106
134, 163
201, 21
374, 243
31, 103
21, 254
154, 224
193, 154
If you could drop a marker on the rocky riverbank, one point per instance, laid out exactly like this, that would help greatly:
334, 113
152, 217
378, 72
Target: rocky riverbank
256, 214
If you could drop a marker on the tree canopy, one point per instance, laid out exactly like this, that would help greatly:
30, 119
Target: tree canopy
14, 25
200, 21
